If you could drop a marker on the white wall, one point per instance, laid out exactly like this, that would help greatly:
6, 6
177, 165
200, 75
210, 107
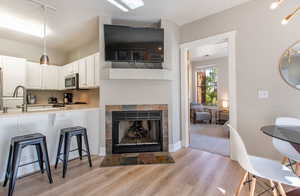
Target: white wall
30, 52
83, 51
261, 40
123, 92
222, 71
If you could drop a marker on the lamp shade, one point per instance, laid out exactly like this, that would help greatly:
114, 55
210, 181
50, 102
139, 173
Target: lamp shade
225, 104
44, 60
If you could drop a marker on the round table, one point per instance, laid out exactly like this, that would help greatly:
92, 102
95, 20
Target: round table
287, 133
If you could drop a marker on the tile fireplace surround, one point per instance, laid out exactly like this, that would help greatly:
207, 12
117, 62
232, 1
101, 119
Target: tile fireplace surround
108, 122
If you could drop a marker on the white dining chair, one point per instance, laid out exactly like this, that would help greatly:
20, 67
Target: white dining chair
285, 148
261, 167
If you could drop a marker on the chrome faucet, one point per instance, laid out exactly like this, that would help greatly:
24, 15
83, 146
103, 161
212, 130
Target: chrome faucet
24, 105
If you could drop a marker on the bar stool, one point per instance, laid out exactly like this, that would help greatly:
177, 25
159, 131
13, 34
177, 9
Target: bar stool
66, 135
17, 144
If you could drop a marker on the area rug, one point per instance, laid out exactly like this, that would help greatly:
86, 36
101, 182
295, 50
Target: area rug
137, 159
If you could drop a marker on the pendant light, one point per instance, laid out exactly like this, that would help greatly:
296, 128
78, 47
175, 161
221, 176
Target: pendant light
289, 17
44, 60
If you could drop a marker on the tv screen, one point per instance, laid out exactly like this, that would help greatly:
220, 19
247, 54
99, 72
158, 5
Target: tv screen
129, 44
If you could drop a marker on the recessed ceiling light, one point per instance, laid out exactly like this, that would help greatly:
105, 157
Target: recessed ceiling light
14, 23
133, 4
118, 5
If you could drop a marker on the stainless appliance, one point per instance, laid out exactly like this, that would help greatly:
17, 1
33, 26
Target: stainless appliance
52, 100
72, 81
31, 99
68, 98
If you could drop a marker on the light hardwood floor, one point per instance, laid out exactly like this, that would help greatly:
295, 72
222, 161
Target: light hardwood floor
195, 173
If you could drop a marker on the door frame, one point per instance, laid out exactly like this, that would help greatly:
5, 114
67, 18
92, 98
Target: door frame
230, 37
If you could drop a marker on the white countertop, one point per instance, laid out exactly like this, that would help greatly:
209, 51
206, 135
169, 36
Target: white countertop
68, 108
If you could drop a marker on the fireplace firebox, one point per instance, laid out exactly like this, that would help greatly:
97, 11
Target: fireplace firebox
136, 131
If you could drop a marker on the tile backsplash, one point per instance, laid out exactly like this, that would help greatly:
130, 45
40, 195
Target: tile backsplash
12, 102
90, 96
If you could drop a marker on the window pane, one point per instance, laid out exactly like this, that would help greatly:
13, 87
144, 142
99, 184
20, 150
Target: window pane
207, 86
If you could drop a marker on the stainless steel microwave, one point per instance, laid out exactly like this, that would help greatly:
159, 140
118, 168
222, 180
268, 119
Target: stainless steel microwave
72, 81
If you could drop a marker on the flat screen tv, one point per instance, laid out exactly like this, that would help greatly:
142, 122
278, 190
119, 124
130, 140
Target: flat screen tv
130, 44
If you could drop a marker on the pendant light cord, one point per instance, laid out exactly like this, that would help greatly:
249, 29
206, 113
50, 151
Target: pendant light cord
45, 30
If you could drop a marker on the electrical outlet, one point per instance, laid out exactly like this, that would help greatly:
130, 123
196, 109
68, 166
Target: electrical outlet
263, 94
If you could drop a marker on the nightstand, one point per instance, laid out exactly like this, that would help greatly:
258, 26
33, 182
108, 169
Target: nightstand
222, 116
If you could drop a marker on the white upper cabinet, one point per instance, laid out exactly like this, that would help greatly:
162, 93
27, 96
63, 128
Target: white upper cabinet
17, 71
14, 74
61, 78
50, 77
97, 69
34, 75
82, 73
90, 71
69, 69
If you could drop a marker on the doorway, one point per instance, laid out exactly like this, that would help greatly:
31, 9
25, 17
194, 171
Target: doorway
210, 124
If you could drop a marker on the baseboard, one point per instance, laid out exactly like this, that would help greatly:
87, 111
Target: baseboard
102, 151
175, 147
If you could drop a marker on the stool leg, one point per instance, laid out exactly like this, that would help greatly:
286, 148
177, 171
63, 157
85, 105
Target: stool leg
61, 138
66, 154
47, 162
40, 156
87, 147
14, 171
79, 144
8, 167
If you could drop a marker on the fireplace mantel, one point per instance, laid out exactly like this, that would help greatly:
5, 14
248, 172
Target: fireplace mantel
140, 74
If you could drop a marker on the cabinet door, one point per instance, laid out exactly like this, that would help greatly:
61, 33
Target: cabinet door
97, 69
34, 75
61, 78
82, 73
14, 74
50, 77
90, 71
69, 69
75, 67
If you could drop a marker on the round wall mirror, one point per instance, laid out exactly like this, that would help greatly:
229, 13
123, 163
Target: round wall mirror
290, 66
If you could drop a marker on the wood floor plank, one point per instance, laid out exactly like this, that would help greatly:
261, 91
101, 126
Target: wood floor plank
194, 173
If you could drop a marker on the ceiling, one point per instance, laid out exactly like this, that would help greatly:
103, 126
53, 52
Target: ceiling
75, 21
208, 52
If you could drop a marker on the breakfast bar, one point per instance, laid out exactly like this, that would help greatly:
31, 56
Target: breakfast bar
49, 123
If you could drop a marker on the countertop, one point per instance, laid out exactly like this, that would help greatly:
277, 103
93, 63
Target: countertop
67, 108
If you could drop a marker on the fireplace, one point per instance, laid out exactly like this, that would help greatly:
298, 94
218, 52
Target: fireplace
152, 117
137, 131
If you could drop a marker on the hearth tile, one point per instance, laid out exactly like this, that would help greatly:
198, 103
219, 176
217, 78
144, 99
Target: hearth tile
129, 107
108, 133
129, 160
130, 154
140, 159
147, 160
113, 108
146, 155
